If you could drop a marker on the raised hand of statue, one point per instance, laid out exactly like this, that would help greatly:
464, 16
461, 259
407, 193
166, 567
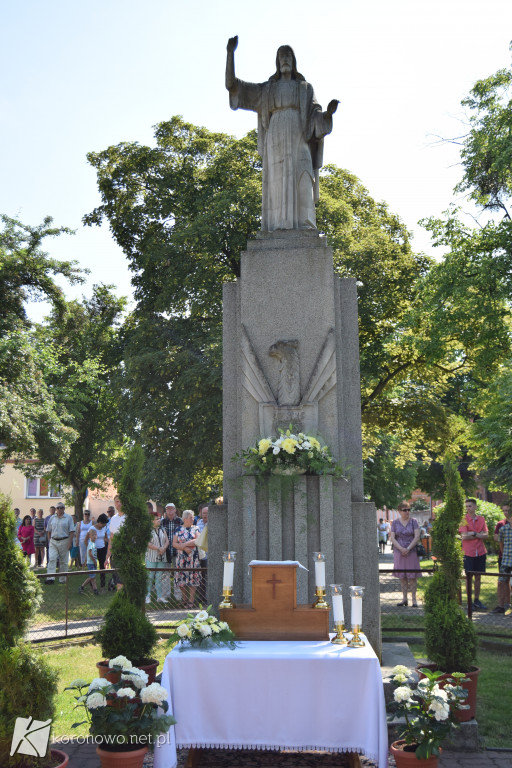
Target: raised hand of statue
332, 107
232, 44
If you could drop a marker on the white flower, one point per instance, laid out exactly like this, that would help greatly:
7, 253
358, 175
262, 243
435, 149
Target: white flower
403, 693
223, 625
98, 682
136, 676
306, 445
78, 683
276, 450
127, 693
400, 678
96, 700
202, 616
215, 628
441, 711
439, 693
121, 661
153, 694
400, 669
183, 630
205, 630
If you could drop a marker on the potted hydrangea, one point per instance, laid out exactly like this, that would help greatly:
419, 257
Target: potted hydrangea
429, 714
125, 717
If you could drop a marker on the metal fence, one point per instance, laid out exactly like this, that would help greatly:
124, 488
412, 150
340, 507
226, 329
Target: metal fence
404, 619
66, 612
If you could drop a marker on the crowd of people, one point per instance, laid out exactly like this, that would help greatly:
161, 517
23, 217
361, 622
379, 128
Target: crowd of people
404, 534
176, 555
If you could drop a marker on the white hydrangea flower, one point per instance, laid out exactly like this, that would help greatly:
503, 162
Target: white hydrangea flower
137, 680
439, 693
400, 669
202, 616
78, 683
125, 693
96, 700
98, 682
205, 630
121, 661
400, 678
153, 694
403, 693
441, 711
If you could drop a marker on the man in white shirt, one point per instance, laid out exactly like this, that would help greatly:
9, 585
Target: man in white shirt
115, 524
60, 530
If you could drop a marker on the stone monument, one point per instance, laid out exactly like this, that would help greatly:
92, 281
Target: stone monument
291, 356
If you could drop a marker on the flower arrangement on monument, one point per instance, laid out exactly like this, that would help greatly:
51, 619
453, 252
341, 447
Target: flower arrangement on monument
428, 710
124, 715
290, 454
202, 630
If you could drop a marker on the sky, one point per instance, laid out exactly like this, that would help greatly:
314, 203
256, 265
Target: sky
79, 77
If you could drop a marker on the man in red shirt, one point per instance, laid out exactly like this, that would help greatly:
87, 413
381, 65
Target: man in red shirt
473, 531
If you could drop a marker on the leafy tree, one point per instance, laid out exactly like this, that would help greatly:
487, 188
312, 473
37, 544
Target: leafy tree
492, 433
27, 408
387, 480
82, 370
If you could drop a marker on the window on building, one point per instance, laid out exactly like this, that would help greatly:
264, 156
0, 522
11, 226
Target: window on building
38, 488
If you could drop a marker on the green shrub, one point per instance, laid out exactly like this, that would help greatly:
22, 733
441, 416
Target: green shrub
20, 591
126, 631
28, 685
450, 638
130, 543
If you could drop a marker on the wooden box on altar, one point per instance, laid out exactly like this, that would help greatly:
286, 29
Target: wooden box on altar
274, 613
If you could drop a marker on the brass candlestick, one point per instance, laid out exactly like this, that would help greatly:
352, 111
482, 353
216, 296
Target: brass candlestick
320, 601
340, 638
227, 594
356, 641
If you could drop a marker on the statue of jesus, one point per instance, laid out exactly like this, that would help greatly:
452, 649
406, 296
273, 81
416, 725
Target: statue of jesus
291, 127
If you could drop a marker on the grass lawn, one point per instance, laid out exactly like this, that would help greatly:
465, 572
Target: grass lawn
73, 662
494, 696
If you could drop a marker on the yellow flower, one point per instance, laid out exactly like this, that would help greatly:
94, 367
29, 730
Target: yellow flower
289, 445
314, 443
264, 445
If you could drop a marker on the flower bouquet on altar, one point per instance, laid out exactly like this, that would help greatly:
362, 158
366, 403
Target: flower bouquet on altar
290, 454
202, 631
428, 710
123, 716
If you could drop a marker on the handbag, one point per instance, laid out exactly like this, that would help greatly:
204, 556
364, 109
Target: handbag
421, 551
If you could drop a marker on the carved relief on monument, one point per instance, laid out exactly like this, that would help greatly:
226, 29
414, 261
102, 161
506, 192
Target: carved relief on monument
288, 407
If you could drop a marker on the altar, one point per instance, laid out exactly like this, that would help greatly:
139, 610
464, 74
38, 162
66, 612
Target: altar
298, 695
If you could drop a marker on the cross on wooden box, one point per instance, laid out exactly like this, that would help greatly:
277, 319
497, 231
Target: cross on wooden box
274, 613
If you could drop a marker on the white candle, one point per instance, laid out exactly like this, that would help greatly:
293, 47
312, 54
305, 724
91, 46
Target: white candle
337, 609
320, 573
357, 610
229, 567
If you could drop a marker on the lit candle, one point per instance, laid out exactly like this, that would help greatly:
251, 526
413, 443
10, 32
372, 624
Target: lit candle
337, 604
229, 567
319, 569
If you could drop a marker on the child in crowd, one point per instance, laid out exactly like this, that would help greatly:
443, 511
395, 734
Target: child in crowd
91, 559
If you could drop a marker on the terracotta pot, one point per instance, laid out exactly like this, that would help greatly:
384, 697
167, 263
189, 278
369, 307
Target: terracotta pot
114, 677
408, 759
132, 759
462, 715
57, 754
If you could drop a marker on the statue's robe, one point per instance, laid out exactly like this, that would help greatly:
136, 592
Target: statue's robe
291, 127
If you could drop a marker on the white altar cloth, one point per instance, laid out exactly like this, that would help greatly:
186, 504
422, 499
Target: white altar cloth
297, 695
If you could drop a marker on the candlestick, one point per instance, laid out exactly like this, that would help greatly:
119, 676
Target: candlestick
337, 610
227, 581
356, 618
